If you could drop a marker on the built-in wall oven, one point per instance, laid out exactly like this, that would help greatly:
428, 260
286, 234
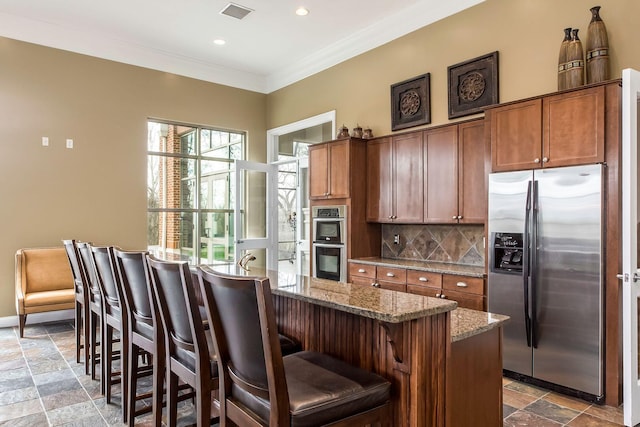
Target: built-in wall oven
329, 242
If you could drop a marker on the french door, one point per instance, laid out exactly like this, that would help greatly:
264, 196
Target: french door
630, 273
255, 219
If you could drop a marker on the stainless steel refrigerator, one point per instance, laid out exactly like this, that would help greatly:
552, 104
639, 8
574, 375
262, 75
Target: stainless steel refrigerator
545, 271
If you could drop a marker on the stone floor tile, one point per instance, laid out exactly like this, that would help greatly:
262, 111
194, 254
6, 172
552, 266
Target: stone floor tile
507, 410
567, 401
92, 421
552, 411
586, 420
527, 389
14, 374
53, 376
524, 418
20, 409
608, 413
6, 364
16, 384
516, 399
65, 398
67, 415
55, 387
49, 366
15, 396
33, 420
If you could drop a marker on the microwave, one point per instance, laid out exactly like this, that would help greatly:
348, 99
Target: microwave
329, 224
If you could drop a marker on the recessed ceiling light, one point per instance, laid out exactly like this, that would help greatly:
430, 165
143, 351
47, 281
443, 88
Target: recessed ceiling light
220, 42
301, 11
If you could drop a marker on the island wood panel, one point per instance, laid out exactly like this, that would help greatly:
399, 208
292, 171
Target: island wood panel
475, 360
417, 372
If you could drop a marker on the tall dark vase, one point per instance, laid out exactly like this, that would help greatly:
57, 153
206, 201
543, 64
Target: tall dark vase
597, 47
575, 62
562, 60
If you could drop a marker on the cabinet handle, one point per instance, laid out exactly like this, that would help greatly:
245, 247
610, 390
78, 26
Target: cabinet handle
394, 216
443, 296
438, 295
390, 217
461, 285
536, 160
391, 275
454, 217
545, 159
459, 216
362, 270
375, 285
423, 279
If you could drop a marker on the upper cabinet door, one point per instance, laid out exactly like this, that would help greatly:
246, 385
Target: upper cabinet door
441, 175
408, 175
329, 170
339, 174
379, 180
516, 136
318, 171
472, 195
573, 128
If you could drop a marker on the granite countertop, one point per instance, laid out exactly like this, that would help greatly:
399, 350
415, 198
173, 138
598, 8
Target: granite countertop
466, 323
434, 267
380, 304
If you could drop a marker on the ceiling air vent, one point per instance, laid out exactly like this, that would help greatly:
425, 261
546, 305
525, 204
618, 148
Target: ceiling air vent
235, 11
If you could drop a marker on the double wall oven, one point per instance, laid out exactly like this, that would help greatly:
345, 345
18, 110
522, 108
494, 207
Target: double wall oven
329, 242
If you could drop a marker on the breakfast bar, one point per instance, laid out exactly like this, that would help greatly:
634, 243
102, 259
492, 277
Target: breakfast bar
444, 363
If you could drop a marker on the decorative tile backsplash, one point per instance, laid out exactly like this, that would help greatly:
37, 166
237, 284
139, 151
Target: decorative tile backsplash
456, 244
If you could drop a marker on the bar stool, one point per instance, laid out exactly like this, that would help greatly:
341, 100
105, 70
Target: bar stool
81, 305
258, 386
190, 355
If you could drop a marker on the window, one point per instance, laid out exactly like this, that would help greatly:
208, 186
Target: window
190, 191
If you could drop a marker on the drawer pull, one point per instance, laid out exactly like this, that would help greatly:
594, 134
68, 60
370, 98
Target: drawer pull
443, 296
362, 270
423, 279
391, 275
461, 285
438, 295
375, 285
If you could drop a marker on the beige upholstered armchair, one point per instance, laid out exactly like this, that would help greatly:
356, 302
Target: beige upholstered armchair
43, 282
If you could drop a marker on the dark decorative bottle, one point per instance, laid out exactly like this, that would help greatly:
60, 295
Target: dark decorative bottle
575, 62
597, 47
562, 60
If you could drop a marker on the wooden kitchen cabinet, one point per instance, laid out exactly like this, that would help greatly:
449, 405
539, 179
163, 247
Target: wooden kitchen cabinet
329, 170
554, 130
467, 291
394, 179
454, 179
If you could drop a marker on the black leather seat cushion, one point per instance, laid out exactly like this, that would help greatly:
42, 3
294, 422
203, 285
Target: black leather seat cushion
188, 358
288, 345
322, 389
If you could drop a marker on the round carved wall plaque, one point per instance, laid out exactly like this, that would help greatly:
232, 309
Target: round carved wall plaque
472, 86
409, 103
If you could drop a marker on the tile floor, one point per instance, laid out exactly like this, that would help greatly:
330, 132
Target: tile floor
41, 384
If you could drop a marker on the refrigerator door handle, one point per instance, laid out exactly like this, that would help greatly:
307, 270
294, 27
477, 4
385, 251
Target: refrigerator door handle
526, 267
534, 264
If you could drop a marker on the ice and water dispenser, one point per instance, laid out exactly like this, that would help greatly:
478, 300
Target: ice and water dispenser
508, 253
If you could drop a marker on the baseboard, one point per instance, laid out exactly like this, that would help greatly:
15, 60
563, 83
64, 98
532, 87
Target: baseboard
51, 316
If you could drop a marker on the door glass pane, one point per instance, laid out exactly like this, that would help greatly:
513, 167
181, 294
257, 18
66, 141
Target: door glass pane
216, 237
287, 216
255, 205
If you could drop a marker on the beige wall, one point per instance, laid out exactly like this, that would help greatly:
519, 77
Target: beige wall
97, 190
527, 34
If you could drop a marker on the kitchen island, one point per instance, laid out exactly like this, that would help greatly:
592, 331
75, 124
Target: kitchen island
444, 363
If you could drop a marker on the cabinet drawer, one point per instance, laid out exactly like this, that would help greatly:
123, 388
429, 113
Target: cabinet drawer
466, 300
392, 286
362, 281
472, 285
391, 274
362, 270
425, 291
424, 278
